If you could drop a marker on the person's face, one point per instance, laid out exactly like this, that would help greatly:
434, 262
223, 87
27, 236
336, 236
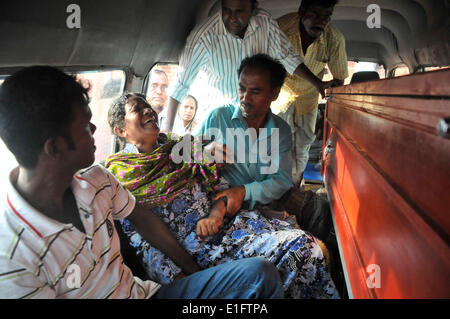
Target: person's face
158, 91
236, 14
141, 124
81, 134
255, 93
187, 109
315, 19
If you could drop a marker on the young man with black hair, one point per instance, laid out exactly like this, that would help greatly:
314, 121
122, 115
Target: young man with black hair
319, 43
57, 236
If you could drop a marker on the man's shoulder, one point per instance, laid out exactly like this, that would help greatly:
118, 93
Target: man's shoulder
224, 111
205, 27
96, 175
288, 21
333, 34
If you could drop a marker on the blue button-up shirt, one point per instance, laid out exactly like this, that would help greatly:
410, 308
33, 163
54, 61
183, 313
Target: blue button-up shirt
263, 163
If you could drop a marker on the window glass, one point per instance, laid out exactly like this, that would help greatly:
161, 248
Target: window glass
354, 67
434, 68
105, 86
401, 70
156, 96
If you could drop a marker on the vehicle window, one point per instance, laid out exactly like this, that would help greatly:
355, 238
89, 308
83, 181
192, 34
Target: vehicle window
105, 86
353, 67
196, 89
401, 70
434, 68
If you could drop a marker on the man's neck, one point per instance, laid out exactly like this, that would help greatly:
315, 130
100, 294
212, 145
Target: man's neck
307, 40
44, 191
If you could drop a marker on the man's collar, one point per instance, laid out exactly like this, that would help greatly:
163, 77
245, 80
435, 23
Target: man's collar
237, 115
320, 40
38, 223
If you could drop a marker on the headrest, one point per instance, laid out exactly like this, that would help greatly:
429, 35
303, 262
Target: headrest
364, 76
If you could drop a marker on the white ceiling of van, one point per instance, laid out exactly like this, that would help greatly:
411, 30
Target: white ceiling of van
139, 33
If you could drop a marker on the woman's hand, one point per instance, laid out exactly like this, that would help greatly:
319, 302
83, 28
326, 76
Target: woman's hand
208, 226
235, 196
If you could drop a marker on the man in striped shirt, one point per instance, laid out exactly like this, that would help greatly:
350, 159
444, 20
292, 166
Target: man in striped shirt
217, 47
320, 44
57, 237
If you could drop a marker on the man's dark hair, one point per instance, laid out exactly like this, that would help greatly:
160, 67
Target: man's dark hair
263, 61
320, 3
35, 105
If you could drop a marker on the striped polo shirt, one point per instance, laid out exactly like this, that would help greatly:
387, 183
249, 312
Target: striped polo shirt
217, 52
43, 258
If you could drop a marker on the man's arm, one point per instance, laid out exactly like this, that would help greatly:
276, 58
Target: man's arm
172, 108
303, 72
292, 61
338, 63
153, 230
193, 58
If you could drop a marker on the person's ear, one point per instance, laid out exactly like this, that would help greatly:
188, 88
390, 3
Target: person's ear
53, 146
275, 93
301, 11
119, 132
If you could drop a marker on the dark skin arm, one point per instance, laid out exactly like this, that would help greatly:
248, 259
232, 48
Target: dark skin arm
153, 230
303, 72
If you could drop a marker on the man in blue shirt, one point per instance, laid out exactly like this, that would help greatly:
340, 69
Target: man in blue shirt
257, 142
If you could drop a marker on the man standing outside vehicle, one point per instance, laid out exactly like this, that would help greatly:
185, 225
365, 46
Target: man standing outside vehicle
320, 44
218, 45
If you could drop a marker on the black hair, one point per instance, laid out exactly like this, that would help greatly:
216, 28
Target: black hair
263, 61
35, 105
320, 3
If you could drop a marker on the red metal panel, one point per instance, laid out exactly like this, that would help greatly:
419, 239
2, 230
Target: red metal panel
388, 177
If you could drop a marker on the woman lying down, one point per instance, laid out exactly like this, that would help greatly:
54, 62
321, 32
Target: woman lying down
182, 196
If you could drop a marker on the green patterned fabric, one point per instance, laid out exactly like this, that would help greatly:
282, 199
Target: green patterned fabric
154, 179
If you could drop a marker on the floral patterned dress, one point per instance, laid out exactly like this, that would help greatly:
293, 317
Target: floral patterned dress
294, 252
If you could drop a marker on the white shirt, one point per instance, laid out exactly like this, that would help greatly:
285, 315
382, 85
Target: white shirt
211, 48
43, 258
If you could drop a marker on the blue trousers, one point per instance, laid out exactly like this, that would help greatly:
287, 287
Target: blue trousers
250, 278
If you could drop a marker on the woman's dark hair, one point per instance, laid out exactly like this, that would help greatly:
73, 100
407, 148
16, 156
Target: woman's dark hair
116, 112
35, 105
263, 61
